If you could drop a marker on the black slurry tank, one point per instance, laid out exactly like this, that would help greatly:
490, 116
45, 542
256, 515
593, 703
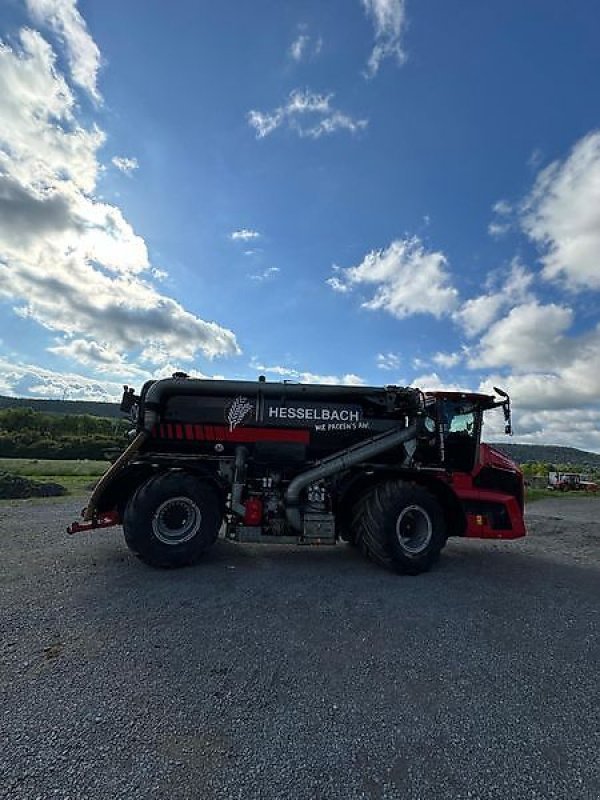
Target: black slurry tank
275, 420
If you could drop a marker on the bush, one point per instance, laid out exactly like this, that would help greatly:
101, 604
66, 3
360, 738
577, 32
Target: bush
30, 434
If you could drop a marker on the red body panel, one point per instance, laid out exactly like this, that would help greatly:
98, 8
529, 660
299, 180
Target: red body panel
221, 433
490, 457
478, 525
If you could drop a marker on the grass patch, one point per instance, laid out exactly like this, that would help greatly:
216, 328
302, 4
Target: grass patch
531, 495
74, 484
75, 475
53, 468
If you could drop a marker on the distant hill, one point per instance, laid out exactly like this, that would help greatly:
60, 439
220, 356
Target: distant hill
110, 410
549, 453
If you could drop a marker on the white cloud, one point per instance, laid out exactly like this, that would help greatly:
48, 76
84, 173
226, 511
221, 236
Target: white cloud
100, 356
503, 208
305, 46
550, 369
498, 229
19, 379
167, 370
41, 142
503, 219
447, 360
553, 424
477, 314
86, 352
244, 235
337, 284
553, 378
407, 279
389, 21
562, 215
306, 113
528, 347
266, 274
83, 54
569, 427
70, 262
25, 214
76, 298
529, 337
573, 386
298, 46
106, 237
431, 382
535, 159
388, 361
159, 274
126, 165
300, 376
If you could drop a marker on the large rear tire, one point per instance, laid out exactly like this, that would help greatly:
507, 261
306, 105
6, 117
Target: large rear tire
348, 514
172, 520
400, 526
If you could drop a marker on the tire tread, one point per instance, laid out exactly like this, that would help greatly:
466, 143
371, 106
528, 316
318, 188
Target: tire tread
137, 520
371, 521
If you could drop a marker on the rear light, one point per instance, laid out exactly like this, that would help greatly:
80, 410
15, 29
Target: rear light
253, 511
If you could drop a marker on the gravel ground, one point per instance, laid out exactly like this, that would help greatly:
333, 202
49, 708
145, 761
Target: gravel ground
276, 672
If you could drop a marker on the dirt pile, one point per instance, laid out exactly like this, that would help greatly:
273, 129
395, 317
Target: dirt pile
16, 487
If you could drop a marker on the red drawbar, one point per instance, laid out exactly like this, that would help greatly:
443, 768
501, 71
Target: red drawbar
106, 520
221, 433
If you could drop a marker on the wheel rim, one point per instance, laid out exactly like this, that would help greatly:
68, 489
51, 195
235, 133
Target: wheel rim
177, 520
414, 529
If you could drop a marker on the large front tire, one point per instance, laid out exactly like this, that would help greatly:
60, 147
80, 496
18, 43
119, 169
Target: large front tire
401, 527
172, 520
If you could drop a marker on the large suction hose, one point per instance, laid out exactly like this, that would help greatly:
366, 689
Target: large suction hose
341, 461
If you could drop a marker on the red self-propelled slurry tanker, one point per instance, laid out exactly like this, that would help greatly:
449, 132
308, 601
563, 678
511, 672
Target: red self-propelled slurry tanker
392, 470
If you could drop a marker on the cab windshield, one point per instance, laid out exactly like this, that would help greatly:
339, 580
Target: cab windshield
463, 423
460, 421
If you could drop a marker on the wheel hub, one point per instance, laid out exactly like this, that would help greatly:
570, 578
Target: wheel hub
414, 529
177, 520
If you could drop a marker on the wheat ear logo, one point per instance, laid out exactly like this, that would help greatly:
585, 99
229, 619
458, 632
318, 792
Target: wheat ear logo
238, 411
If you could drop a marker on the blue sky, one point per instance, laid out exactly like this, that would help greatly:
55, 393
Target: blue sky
377, 191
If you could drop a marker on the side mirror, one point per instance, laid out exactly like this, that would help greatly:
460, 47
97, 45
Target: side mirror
128, 400
506, 409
